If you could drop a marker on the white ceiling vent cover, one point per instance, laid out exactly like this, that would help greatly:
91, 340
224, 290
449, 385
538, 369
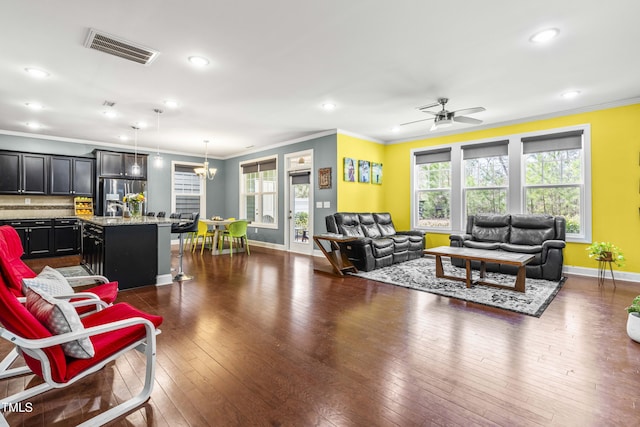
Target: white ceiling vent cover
116, 46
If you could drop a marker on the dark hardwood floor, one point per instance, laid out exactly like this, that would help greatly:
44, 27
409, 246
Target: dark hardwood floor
262, 340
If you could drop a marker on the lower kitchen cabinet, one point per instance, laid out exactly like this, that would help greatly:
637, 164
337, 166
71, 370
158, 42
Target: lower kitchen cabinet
126, 253
47, 237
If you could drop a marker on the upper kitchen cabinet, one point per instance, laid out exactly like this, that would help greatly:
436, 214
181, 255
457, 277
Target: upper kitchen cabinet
120, 165
23, 173
72, 176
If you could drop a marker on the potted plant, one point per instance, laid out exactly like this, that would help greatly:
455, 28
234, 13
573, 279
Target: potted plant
606, 251
633, 321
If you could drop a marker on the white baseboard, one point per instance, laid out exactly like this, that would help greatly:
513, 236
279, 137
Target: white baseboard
593, 272
164, 279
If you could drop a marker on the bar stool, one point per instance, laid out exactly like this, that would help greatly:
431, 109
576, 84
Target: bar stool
181, 228
151, 214
161, 214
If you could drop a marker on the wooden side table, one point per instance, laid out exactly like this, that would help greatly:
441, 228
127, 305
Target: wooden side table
334, 255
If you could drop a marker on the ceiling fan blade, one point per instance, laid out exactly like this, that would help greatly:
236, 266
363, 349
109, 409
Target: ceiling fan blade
465, 119
415, 121
469, 110
424, 107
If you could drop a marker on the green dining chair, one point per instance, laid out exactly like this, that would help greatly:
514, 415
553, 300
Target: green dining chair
236, 230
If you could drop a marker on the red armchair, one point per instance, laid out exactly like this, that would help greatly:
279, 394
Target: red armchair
111, 331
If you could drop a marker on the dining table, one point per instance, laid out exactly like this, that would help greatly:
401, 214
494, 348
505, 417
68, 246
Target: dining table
218, 225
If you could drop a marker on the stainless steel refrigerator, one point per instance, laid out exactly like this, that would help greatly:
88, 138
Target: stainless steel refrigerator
111, 191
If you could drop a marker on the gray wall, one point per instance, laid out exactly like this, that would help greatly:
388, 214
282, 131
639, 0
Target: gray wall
324, 155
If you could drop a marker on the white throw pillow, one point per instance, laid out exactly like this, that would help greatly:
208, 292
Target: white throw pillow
59, 317
49, 280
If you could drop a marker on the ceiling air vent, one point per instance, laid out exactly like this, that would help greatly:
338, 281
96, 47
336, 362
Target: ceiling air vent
116, 46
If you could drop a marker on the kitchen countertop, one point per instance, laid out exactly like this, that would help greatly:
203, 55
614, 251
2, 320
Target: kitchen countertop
107, 221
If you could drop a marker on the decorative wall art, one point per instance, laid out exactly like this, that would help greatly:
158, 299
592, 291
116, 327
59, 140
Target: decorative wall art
363, 170
324, 178
376, 173
350, 169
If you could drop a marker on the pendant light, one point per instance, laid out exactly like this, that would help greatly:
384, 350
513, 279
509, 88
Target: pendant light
135, 169
158, 161
206, 172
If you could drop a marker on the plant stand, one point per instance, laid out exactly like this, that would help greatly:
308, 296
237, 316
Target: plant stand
602, 270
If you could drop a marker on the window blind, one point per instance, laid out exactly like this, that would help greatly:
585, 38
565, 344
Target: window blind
571, 140
491, 149
433, 156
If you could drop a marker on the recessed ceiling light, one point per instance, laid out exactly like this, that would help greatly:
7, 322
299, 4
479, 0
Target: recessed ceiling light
199, 61
328, 106
171, 103
141, 125
395, 129
123, 137
545, 35
570, 94
34, 105
37, 73
110, 113
32, 125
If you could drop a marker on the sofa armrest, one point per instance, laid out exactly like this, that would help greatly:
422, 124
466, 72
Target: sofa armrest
557, 244
457, 240
361, 241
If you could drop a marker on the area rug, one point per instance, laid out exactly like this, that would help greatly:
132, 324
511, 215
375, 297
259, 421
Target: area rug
420, 274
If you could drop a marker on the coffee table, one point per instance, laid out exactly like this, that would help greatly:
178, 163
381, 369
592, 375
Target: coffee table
484, 256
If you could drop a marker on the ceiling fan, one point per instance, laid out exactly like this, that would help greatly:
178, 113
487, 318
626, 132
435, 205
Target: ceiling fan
445, 118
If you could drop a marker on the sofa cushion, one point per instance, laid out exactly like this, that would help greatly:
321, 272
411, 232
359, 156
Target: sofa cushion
369, 226
481, 245
523, 249
382, 247
349, 224
384, 223
531, 229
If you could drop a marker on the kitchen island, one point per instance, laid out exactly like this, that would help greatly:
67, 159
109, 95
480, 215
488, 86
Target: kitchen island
134, 251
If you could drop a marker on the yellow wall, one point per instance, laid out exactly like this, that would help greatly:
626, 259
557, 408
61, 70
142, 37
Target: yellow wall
358, 196
615, 172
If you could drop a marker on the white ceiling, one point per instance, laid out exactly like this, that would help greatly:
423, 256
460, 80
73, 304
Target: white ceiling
273, 64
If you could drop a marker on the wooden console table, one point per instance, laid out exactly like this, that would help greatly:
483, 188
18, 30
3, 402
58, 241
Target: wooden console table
336, 257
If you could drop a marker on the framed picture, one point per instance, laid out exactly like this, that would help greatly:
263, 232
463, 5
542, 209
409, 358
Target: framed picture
376, 173
350, 171
324, 178
363, 170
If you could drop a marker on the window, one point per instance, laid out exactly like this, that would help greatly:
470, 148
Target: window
554, 177
188, 190
433, 188
542, 172
259, 198
486, 178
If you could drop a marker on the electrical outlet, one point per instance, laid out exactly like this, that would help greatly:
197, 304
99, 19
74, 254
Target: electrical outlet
27, 201
256, 229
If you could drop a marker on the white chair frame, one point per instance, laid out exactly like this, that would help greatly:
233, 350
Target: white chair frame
33, 348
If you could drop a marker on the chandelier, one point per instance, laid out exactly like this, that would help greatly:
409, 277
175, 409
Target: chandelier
206, 172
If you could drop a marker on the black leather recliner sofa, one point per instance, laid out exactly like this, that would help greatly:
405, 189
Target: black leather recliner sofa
539, 235
378, 244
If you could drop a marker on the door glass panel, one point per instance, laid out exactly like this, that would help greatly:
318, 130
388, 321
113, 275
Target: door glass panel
300, 212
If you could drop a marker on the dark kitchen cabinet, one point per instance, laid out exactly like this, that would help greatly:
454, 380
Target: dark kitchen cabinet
36, 236
72, 176
126, 253
23, 173
120, 165
66, 236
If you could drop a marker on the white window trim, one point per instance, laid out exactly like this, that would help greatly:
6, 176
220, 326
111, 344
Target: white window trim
203, 188
242, 207
515, 191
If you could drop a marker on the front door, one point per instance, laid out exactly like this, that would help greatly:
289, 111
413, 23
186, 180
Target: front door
300, 212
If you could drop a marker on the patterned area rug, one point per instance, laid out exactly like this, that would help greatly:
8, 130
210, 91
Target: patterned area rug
420, 274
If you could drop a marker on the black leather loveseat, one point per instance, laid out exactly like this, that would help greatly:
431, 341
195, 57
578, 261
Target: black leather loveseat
378, 244
539, 235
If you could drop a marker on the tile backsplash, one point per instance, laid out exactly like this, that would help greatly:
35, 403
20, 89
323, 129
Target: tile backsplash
26, 206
